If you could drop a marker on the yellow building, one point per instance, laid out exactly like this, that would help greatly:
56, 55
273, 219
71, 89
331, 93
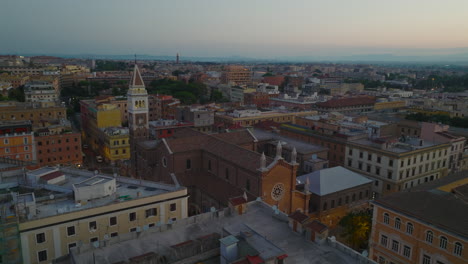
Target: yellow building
389, 105
252, 117
102, 130
88, 209
34, 112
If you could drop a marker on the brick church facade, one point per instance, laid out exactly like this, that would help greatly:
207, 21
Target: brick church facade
218, 167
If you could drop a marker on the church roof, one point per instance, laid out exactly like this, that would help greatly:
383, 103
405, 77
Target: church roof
136, 78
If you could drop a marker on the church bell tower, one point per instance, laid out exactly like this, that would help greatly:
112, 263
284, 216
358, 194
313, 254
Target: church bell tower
137, 107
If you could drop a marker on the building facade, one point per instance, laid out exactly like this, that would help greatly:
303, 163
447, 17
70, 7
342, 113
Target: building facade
425, 226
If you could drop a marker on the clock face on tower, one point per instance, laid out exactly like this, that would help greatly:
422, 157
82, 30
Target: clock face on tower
277, 192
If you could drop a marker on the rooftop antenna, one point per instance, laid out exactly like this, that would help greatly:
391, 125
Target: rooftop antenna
135, 59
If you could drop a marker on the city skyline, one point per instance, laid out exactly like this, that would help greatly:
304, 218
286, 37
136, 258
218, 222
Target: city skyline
262, 29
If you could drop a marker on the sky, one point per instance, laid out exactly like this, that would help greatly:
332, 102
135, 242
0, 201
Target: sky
248, 28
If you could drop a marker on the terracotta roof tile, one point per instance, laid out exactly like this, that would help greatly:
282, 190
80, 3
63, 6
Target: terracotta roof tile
316, 226
298, 216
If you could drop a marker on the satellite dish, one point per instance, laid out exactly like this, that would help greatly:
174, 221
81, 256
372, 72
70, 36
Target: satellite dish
138, 229
96, 244
106, 236
212, 209
51, 196
274, 207
145, 227
259, 199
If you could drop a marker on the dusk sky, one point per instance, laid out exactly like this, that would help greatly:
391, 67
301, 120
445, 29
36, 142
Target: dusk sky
255, 28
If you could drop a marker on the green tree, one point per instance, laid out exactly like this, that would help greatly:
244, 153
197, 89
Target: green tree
357, 227
17, 94
186, 97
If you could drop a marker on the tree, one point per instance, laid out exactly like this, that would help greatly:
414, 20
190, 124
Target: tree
357, 227
17, 94
268, 74
216, 96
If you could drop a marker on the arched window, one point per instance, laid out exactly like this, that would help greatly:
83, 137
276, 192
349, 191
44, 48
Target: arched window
324, 206
409, 228
443, 242
386, 218
429, 236
397, 223
457, 250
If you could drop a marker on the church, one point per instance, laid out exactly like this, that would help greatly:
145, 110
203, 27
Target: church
214, 168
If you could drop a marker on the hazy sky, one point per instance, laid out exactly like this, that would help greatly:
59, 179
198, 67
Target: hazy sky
256, 28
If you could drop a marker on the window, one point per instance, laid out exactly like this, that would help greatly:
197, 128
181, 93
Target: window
457, 250
71, 245
429, 236
395, 245
71, 230
94, 239
113, 221
173, 207
406, 251
383, 240
132, 216
133, 229
247, 185
339, 201
226, 173
209, 165
324, 206
426, 259
397, 223
188, 164
390, 163
92, 225
369, 157
42, 255
40, 238
164, 162
150, 212
360, 155
350, 162
379, 159
114, 234
443, 242
409, 228
389, 174
377, 171
386, 218
388, 187
6, 141
381, 260
368, 168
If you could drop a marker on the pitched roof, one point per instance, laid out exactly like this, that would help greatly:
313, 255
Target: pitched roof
363, 100
136, 79
332, 180
238, 138
219, 145
52, 175
316, 226
298, 216
434, 203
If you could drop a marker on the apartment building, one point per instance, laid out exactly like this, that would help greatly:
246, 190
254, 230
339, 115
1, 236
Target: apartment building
72, 208
34, 112
347, 105
252, 117
397, 164
426, 225
102, 129
40, 91
17, 141
58, 148
239, 75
